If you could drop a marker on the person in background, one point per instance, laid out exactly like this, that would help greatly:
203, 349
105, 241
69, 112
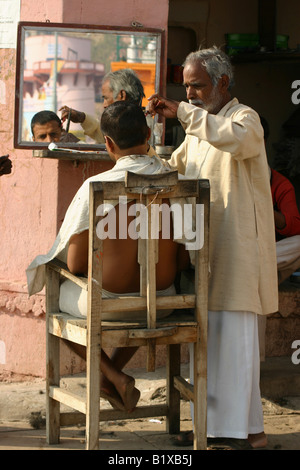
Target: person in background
287, 225
287, 220
224, 144
287, 232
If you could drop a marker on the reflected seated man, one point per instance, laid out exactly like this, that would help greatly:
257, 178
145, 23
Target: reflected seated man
126, 135
47, 127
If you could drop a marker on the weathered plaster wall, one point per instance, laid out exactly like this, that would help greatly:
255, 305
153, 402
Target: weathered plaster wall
35, 196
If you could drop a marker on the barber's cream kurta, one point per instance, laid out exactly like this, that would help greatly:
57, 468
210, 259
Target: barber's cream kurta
228, 149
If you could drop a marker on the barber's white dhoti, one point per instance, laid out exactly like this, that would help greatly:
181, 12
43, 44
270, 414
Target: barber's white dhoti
73, 300
233, 374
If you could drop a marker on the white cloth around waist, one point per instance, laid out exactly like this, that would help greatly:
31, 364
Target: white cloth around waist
234, 407
73, 300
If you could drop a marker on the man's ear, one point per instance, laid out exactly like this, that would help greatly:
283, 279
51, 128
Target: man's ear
110, 145
122, 95
224, 83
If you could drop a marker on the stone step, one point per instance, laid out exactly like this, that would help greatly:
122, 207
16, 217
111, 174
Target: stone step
280, 377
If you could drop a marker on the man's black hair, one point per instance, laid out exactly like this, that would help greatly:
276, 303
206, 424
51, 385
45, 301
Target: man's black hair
42, 117
125, 123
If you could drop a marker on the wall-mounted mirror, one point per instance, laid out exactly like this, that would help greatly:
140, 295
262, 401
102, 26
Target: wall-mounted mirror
64, 65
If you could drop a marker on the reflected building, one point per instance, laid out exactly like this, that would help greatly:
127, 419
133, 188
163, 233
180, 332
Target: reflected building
58, 70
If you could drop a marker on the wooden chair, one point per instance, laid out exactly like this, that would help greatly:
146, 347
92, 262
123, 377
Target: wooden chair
95, 334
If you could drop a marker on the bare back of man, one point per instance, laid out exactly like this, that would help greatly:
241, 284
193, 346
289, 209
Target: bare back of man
121, 270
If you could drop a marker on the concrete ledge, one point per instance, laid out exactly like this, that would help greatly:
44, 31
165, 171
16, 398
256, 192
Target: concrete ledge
289, 298
283, 327
279, 377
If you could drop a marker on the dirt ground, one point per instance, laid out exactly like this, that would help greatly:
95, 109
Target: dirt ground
22, 419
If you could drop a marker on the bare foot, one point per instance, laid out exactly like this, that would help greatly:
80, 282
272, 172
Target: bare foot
129, 394
258, 441
123, 396
109, 393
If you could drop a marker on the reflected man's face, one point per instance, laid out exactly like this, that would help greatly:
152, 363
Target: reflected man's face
107, 94
108, 97
49, 132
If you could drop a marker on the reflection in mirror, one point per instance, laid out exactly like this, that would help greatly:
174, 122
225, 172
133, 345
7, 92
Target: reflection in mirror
64, 66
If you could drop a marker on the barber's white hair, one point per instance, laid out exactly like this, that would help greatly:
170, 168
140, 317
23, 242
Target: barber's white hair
215, 61
127, 80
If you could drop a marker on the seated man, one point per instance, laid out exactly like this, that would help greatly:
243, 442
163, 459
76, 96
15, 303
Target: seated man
47, 127
287, 231
126, 134
287, 225
286, 218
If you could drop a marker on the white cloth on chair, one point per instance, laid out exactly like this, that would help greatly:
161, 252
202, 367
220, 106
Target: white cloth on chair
77, 216
73, 300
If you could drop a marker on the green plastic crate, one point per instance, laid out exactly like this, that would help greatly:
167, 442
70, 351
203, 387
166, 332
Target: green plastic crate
282, 41
241, 43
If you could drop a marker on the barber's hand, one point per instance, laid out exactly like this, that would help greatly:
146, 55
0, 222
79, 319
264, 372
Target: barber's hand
5, 165
76, 116
163, 106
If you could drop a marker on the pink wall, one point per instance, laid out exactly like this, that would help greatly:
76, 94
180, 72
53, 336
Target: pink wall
35, 196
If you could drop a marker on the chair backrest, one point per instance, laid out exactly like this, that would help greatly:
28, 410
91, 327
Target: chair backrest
147, 191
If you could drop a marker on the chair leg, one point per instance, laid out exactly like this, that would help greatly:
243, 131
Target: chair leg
93, 367
200, 397
52, 406
92, 416
173, 395
52, 359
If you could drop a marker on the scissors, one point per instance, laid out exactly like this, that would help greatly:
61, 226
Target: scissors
68, 121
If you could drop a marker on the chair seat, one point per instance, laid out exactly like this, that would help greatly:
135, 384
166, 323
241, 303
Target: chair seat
180, 326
